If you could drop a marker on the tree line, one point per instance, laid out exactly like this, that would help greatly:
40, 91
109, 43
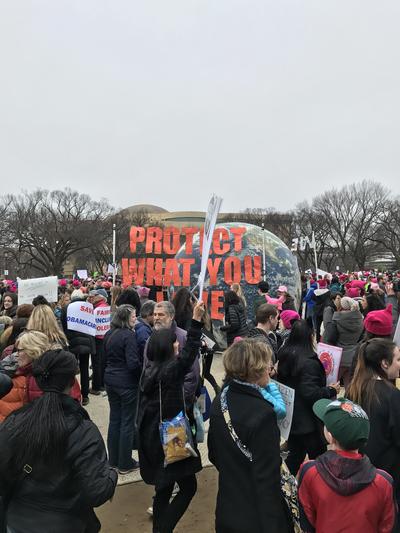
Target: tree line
356, 227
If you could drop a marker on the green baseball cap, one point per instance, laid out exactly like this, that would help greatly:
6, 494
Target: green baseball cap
345, 420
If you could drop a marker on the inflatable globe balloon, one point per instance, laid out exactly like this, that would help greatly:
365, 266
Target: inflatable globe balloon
280, 264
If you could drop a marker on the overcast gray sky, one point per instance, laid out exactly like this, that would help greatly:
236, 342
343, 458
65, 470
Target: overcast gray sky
264, 102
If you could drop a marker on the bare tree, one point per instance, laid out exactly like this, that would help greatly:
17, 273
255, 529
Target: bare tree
48, 228
280, 224
388, 236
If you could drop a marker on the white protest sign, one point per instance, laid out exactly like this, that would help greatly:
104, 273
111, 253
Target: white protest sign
102, 318
396, 338
82, 274
288, 397
28, 289
209, 224
110, 269
323, 273
207, 341
330, 357
80, 317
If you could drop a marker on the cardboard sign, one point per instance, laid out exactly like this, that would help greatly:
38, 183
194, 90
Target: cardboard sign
82, 274
28, 289
209, 226
330, 357
288, 397
80, 317
102, 318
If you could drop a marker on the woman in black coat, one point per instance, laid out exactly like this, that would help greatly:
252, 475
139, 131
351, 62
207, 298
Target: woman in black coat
161, 389
53, 463
372, 387
121, 378
300, 369
235, 318
247, 458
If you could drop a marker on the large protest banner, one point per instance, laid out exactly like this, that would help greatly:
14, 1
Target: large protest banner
330, 357
228, 262
102, 318
80, 317
28, 289
288, 397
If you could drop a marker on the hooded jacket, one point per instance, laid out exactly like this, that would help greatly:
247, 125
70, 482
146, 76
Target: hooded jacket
321, 298
344, 489
345, 330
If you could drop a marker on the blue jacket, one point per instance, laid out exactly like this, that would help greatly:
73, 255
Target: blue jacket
143, 332
122, 359
309, 298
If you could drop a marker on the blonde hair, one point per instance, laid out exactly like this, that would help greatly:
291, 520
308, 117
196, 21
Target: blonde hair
236, 287
34, 344
43, 319
247, 360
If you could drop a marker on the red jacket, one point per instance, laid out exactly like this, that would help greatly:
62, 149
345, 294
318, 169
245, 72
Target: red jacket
342, 491
34, 391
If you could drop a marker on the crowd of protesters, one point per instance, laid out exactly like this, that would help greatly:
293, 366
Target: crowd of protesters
151, 366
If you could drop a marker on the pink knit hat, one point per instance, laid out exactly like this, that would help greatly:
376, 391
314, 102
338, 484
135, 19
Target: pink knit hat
379, 322
287, 317
277, 302
354, 292
143, 292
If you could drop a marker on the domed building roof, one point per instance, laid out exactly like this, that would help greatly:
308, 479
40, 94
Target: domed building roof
151, 209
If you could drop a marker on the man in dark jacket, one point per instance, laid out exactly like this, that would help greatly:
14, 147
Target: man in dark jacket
164, 313
144, 325
80, 344
99, 299
262, 290
267, 322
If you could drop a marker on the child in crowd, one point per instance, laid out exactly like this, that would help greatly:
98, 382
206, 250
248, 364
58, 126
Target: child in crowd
342, 490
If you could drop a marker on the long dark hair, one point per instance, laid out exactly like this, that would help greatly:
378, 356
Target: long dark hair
130, 297
374, 303
369, 367
38, 431
298, 347
160, 349
231, 298
183, 307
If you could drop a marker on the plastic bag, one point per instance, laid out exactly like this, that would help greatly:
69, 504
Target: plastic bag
176, 439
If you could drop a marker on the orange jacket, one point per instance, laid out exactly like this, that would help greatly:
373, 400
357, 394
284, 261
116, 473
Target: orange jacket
16, 398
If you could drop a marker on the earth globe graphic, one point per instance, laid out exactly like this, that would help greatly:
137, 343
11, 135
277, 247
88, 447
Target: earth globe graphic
280, 265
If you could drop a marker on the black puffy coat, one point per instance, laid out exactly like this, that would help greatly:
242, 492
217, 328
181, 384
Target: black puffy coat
171, 375
78, 343
235, 322
249, 494
309, 384
58, 500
